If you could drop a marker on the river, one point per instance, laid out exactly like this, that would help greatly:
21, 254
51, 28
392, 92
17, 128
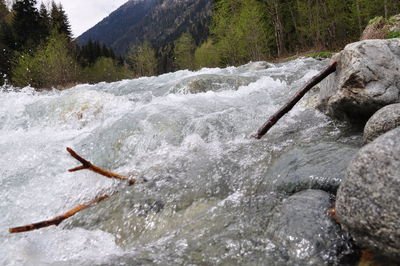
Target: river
212, 190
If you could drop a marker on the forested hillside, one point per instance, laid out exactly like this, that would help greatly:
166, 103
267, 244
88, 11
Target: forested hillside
150, 37
158, 21
244, 30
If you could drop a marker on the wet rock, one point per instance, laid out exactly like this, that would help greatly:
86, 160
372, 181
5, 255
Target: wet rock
368, 199
305, 233
254, 66
209, 82
316, 166
382, 121
367, 78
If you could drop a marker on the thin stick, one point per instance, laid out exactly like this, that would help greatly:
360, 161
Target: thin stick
89, 166
57, 220
287, 107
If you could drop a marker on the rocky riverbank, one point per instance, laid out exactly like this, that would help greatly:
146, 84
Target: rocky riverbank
366, 87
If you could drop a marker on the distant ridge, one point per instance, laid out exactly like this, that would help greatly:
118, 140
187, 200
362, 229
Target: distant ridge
158, 21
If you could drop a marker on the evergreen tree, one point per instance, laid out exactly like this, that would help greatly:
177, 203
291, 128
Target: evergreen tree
45, 21
25, 24
60, 20
88, 54
184, 52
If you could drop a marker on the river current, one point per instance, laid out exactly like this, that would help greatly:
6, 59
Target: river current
211, 190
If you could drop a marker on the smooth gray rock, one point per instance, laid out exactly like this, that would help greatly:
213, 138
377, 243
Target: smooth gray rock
367, 78
313, 166
368, 200
305, 234
382, 121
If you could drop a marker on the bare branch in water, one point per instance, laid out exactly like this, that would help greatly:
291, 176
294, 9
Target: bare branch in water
89, 166
297, 97
57, 220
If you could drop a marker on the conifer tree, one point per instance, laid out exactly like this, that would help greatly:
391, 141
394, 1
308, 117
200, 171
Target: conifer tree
25, 24
44, 21
60, 20
88, 54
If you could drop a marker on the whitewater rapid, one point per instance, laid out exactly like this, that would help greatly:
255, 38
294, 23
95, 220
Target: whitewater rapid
211, 187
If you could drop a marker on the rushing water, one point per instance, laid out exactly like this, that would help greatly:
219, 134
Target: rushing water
211, 188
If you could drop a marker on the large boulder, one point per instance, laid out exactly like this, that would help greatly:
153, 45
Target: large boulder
305, 234
382, 121
367, 78
368, 202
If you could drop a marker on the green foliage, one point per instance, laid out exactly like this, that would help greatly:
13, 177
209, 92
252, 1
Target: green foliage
25, 72
184, 52
241, 31
105, 69
39, 42
393, 34
319, 55
142, 60
377, 19
50, 65
206, 55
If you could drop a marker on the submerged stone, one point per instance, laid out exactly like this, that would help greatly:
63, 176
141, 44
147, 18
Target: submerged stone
315, 166
305, 234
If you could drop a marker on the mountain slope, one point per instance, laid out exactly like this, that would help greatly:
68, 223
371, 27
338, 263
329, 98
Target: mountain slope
158, 21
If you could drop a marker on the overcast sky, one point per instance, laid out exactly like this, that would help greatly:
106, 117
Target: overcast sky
84, 14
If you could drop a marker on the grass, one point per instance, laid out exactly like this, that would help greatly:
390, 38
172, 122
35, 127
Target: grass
319, 55
393, 34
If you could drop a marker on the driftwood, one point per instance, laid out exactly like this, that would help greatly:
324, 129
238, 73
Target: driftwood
286, 108
89, 166
57, 220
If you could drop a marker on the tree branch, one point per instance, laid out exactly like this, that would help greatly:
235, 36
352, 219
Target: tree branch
89, 166
287, 107
57, 220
